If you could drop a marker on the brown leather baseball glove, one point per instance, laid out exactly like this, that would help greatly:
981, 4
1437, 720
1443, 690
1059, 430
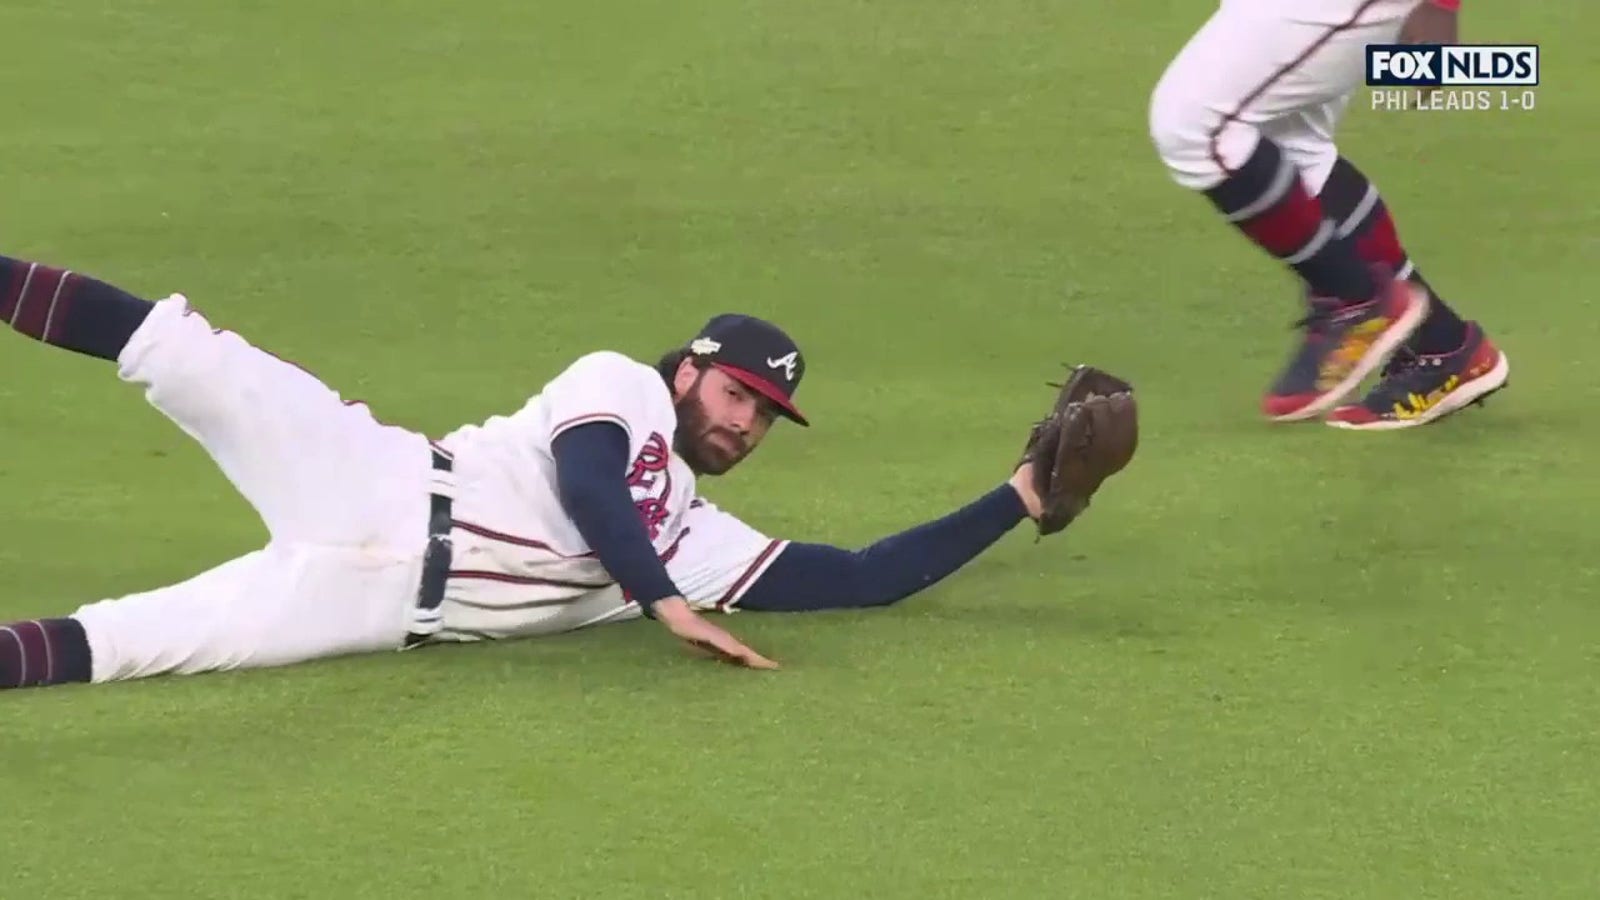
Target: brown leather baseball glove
1089, 436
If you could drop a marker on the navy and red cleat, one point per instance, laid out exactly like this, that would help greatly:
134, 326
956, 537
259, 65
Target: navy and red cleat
1341, 346
1418, 389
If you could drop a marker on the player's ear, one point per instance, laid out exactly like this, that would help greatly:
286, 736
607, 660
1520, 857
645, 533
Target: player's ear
683, 380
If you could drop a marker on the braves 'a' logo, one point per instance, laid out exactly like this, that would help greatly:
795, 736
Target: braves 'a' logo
786, 362
651, 483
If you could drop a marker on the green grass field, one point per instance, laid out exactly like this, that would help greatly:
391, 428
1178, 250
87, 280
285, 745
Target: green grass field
1272, 663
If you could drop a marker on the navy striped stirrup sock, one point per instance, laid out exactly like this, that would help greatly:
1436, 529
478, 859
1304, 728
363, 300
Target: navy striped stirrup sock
68, 310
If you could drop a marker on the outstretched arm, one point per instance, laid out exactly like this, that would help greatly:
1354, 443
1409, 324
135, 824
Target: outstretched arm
1089, 435
808, 577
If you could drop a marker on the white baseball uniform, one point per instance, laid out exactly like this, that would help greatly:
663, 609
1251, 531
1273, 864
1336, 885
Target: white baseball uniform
1285, 69
345, 499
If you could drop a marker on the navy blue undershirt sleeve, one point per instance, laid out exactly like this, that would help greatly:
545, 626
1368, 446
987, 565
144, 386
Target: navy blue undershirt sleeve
808, 577
591, 468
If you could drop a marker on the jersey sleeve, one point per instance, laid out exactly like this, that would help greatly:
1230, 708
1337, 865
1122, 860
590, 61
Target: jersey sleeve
605, 387
718, 557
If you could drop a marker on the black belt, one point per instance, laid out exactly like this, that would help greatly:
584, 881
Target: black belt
426, 617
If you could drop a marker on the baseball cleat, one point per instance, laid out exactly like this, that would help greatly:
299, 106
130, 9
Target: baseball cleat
1341, 346
1417, 389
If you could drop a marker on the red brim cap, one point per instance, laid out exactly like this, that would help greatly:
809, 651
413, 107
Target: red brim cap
765, 388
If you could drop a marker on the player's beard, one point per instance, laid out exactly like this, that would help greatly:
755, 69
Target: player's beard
696, 440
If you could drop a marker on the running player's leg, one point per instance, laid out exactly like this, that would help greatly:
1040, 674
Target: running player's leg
1217, 118
1449, 363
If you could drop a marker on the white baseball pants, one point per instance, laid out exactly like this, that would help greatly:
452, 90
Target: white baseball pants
344, 499
1284, 69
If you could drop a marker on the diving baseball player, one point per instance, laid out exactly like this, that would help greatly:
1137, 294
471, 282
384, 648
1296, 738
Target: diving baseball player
580, 508
1245, 114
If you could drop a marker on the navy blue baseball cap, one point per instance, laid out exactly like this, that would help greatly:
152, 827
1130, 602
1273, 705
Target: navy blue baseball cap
758, 355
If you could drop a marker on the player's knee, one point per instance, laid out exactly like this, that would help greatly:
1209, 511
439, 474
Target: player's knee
1180, 125
1315, 162
170, 344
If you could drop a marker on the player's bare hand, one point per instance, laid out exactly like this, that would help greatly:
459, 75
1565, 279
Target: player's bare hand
694, 630
1428, 24
1022, 482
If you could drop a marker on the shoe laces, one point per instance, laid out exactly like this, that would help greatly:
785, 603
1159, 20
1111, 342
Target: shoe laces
1404, 374
1404, 362
1319, 316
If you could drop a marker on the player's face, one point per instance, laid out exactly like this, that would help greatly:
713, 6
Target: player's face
719, 422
